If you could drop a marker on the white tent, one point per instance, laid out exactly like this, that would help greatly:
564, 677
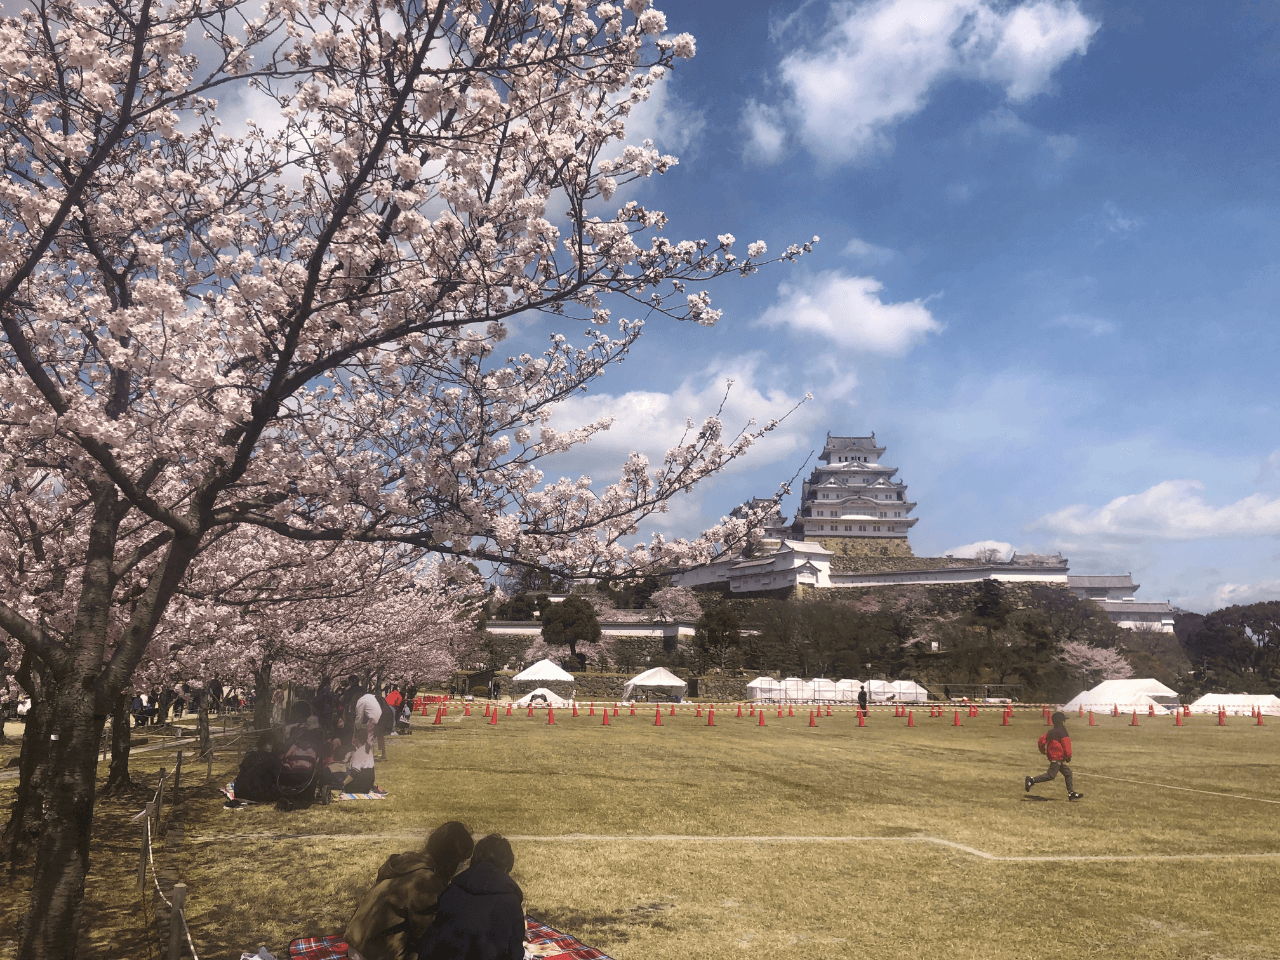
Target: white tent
542, 670
796, 688
1127, 703
879, 689
1237, 704
824, 689
537, 698
848, 689
657, 680
764, 688
1123, 691
909, 690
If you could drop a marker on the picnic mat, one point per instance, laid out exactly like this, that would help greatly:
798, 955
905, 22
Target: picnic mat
547, 943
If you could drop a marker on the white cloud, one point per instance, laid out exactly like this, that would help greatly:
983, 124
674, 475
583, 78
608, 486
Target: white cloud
764, 134
1171, 510
848, 311
869, 252
673, 124
879, 62
1227, 594
1115, 222
972, 549
1093, 326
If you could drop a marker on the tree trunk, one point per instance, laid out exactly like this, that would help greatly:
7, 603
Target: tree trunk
262, 696
51, 928
121, 736
202, 723
27, 813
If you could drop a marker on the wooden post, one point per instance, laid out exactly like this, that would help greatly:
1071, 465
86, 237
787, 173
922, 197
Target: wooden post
160, 800
142, 853
176, 916
208, 773
177, 773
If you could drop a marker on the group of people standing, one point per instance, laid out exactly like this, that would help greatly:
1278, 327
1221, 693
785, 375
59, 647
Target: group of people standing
153, 708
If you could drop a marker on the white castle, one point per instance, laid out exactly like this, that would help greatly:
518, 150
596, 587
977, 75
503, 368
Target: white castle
854, 495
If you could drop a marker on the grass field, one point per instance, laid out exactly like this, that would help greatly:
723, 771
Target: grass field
788, 841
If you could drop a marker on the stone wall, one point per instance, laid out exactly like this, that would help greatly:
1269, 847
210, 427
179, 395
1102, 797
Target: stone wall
866, 564
865, 546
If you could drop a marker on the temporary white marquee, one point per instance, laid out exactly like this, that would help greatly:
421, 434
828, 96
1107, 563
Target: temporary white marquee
1237, 704
879, 689
540, 697
764, 688
909, 690
824, 689
848, 689
797, 688
542, 670
1122, 691
659, 679
1126, 702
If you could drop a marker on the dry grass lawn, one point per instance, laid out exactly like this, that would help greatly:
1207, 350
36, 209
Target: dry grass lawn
1179, 873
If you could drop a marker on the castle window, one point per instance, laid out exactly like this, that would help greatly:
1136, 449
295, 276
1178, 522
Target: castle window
877, 529
848, 528
862, 528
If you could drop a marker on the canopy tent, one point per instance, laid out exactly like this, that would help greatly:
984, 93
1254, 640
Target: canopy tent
1126, 702
909, 690
540, 697
1237, 704
824, 689
542, 670
879, 689
657, 680
764, 688
796, 688
1123, 691
848, 689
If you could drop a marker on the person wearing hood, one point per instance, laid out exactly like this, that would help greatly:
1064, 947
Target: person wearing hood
481, 915
1056, 745
395, 913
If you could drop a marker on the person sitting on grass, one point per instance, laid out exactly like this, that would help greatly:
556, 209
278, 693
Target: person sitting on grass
394, 914
481, 915
1056, 745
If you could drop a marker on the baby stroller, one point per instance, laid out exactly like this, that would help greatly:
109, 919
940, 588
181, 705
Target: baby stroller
298, 777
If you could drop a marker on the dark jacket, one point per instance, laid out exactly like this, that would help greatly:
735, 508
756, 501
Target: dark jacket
397, 910
480, 917
1056, 745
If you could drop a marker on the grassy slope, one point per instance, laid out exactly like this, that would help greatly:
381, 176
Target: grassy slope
649, 901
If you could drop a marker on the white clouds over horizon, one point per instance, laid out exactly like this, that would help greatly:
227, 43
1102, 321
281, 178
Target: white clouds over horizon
1170, 510
878, 62
971, 550
847, 311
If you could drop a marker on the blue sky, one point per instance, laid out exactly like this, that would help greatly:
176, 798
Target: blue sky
1047, 279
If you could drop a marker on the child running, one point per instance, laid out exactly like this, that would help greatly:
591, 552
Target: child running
1056, 745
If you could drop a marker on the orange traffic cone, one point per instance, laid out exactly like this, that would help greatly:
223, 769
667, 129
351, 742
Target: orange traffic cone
493, 717
551, 714
439, 716
739, 711
657, 717
509, 706
812, 721
1222, 718
956, 722
1177, 718
1260, 723
1134, 722
605, 721
1115, 709
1082, 709
633, 709
751, 712
672, 713
1091, 723
698, 712
862, 718
591, 710
466, 710
424, 709
911, 718
531, 709
575, 708
761, 715
828, 709
1004, 719
711, 717
973, 711
791, 712
1151, 709
779, 711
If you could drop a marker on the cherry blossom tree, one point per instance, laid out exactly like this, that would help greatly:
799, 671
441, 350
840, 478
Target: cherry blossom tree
299, 328
1095, 664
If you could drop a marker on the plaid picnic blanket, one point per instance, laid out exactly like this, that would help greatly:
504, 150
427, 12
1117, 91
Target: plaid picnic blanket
538, 934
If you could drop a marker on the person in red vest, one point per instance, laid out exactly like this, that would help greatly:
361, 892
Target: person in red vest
394, 698
1056, 745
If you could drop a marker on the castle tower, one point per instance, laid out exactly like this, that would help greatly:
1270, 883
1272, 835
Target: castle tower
852, 505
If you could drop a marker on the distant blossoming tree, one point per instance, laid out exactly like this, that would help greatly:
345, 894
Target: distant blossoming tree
1094, 663
297, 327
